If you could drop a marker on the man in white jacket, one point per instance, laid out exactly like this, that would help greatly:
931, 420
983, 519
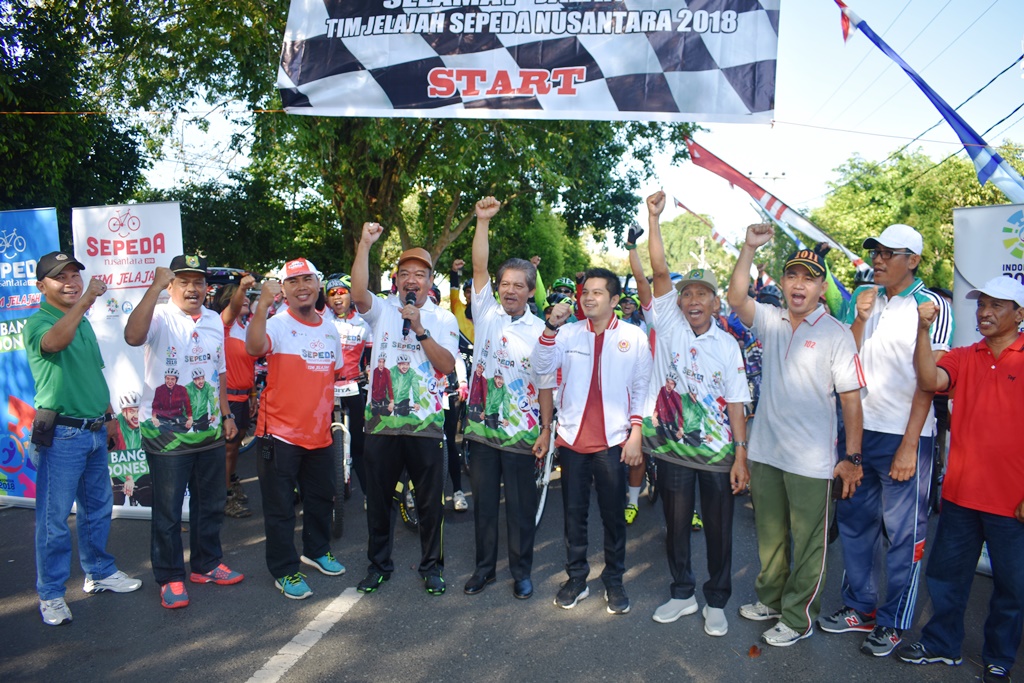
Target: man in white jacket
598, 431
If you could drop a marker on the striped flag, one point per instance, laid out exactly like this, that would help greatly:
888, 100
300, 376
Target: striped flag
729, 247
989, 165
771, 204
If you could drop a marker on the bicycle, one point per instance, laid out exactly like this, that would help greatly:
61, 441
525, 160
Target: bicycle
543, 469
651, 477
12, 241
341, 456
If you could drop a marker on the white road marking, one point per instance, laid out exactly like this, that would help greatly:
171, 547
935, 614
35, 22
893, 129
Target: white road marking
289, 655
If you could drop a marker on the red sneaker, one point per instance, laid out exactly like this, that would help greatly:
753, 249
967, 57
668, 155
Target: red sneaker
173, 595
220, 575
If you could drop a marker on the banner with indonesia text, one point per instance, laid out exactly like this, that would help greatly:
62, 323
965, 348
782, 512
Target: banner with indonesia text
123, 245
25, 236
650, 60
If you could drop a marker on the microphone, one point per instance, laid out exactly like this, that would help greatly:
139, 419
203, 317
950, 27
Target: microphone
410, 298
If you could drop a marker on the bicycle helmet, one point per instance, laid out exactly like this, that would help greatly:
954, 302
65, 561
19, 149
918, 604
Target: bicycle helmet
770, 294
130, 400
338, 280
864, 277
564, 282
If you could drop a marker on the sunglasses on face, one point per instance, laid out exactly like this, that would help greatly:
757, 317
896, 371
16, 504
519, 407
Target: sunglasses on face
563, 290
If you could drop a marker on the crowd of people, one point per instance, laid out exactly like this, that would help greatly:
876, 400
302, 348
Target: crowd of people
821, 411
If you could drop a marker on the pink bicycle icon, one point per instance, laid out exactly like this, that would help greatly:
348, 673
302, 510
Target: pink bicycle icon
125, 224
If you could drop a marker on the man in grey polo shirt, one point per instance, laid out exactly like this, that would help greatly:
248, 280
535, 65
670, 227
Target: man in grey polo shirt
809, 356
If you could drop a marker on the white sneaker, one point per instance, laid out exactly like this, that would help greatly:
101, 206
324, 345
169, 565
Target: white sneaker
758, 611
781, 635
55, 612
675, 608
459, 501
715, 623
118, 582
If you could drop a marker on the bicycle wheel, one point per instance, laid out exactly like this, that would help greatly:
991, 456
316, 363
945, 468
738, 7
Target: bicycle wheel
338, 457
410, 517
651, 475
543, 474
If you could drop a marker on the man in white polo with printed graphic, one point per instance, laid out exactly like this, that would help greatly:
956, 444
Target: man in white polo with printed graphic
408, 329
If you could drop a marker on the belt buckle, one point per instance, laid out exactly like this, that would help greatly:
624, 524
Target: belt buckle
95, 425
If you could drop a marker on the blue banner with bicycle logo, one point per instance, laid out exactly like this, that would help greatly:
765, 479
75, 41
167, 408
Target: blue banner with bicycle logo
24, 237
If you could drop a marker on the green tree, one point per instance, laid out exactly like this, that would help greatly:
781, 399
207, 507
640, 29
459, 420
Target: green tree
912, 189
688, 245
47, 64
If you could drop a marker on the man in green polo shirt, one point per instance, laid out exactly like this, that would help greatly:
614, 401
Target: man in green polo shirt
73, 405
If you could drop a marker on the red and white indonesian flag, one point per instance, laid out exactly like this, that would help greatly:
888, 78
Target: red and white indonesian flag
767, 201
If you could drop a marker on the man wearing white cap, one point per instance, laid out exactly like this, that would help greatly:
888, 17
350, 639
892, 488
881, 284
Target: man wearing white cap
899, 425
303, 357
983, 490
425, 339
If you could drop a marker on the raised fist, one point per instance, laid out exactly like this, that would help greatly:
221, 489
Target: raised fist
163, 277
487, 207
371, 232
759, 234
656, 203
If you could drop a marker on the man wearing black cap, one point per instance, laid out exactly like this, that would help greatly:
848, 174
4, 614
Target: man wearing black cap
73, 405
182, 337
409, 327
808, 357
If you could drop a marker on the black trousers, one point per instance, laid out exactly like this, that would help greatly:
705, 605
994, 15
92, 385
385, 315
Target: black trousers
313, 470
490, 466
608, 475
677, 483
423, 458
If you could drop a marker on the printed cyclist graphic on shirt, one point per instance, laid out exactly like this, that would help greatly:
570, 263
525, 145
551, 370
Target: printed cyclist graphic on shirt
689, 420
403, 396
502, 408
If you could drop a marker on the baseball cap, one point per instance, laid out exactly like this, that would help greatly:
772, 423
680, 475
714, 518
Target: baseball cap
416, 254
811, 260
704, 276
188, 263
297, 267
54, 262
897, 236
1001, 287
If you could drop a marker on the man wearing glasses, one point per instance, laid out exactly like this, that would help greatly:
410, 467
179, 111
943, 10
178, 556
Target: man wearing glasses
897, 447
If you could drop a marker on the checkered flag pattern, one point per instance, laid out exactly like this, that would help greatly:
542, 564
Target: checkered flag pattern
650, 60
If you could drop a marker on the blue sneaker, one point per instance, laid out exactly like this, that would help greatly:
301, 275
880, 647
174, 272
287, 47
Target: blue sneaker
326, 564
294, 586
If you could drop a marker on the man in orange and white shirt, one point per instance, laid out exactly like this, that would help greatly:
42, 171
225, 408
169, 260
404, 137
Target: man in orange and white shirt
356, 340
303, 358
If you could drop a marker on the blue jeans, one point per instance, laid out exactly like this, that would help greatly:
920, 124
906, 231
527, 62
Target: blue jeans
203, 473
950, 572
73, 469
609, 476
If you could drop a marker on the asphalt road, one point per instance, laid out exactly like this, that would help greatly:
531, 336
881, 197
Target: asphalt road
233, 633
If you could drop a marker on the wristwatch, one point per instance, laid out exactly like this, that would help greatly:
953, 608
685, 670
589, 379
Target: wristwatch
854, 459
423, 337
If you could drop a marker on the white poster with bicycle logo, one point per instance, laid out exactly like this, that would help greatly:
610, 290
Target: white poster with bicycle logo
24, 237
123, 245
987, 241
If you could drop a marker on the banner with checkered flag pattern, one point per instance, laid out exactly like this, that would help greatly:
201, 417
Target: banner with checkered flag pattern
646, 60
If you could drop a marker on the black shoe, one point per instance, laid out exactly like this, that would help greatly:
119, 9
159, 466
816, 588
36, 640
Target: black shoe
996, 674
434, 584
522, 589
572, 591
477, 584
916, 653
372, 581
618, 601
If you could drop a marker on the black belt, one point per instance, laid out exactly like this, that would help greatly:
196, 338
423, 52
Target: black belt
238, 392
92, 424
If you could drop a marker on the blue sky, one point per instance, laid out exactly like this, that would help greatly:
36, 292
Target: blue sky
854, 96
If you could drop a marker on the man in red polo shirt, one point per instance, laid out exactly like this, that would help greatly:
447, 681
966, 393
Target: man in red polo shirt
983, 490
